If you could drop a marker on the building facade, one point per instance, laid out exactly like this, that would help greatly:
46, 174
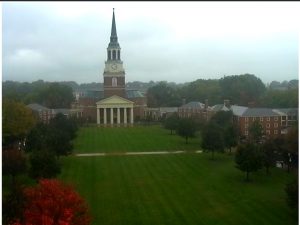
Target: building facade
118, 106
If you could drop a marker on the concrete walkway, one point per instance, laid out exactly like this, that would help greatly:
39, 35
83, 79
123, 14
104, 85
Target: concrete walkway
135, 153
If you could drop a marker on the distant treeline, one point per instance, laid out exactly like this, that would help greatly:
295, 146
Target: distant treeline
239, 89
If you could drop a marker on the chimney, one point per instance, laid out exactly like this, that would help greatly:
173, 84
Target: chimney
227, 103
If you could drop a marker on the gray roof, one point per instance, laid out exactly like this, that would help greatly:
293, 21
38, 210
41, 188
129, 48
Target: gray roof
37, 107
219, 107
287, 111
193, 105
238, 110
257, 112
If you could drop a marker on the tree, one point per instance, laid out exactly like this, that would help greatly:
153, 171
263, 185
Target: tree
269, 157
212, 138
43, 164
171, 122
52, 202
292, 145
17, 121
242, 89
163, 94
13, 163
229, 132
57, 96
230, 137
248, 158
292, 190
256, 131
202, 89
186, 128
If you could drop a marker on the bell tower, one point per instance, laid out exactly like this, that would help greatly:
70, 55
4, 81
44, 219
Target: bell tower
114, 73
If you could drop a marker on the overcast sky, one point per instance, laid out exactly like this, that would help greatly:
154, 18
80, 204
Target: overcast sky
172, 41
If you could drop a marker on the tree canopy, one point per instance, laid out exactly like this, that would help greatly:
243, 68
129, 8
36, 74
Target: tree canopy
17, 120
212, 138
186, 128
52, 202
248, 158
242, 89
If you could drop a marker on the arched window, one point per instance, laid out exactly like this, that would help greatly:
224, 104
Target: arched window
118, 54
114, 54
109, 55
114, 82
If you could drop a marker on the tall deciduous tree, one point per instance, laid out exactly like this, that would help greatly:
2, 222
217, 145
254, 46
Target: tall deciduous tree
242, 89
13, 163
186, 128
248, 158
269, 157
52, 202
43, 164
171, 123
212, 138
256, 131
17, 121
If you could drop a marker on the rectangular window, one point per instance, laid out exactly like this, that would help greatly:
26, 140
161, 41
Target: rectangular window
253, 119
261, 119
283, 118
276, 118
246, 119
268, 118
275, 124
246, 132
268, 125
267, 131
246, 125
275, 132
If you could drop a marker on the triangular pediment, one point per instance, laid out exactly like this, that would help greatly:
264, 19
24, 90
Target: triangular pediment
114, 100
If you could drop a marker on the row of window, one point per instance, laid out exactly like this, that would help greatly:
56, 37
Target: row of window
267, 125
261, 119
268, 132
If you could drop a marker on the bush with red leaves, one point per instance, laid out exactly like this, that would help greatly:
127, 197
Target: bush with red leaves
53, 203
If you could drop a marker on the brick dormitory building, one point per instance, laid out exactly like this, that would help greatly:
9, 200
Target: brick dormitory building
275, 122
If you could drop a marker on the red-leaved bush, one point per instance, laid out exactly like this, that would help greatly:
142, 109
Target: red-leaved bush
53, 203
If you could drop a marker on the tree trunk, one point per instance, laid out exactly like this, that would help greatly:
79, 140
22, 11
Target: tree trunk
186, 139
229, 150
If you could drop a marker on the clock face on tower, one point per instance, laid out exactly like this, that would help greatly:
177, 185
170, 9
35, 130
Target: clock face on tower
114, 66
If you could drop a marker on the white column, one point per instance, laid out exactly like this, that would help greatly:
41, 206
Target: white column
125, 115
104, 114
98, 116
131, 115
118, 115
111, 116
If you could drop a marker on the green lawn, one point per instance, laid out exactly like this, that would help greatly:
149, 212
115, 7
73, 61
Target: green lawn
125, 139
177, 189
185, 189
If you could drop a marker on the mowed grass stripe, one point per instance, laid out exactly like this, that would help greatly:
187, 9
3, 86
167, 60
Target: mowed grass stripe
127, 139
177, 189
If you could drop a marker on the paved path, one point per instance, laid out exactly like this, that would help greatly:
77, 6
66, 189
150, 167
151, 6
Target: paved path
135, 153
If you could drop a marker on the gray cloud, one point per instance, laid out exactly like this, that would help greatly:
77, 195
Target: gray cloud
40, 44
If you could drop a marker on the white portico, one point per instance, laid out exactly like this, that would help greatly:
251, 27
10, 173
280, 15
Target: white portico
114, 110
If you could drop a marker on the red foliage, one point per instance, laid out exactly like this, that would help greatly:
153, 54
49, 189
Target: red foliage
54, 203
